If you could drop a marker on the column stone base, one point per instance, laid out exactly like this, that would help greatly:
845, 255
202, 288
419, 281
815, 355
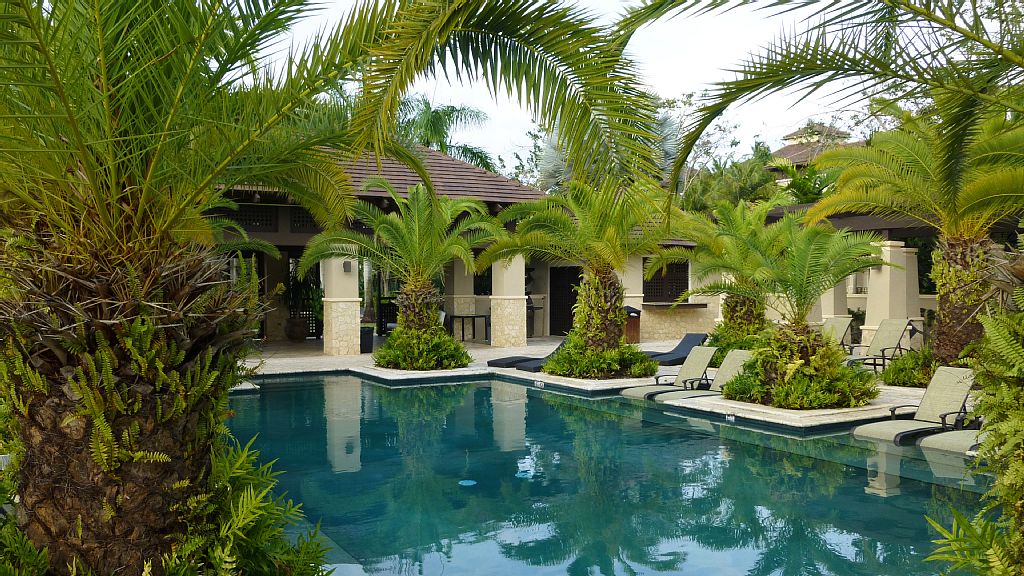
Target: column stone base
341, 326
508, 321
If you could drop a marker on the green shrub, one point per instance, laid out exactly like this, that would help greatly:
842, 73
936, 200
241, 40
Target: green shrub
913, 369
576, 360
433, 349
800, 371
729, 336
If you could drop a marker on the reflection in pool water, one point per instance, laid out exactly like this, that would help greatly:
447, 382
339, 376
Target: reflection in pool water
491, 478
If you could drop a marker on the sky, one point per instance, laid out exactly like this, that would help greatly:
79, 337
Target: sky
676, 56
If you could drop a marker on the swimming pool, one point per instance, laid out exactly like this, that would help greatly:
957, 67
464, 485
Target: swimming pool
496, 478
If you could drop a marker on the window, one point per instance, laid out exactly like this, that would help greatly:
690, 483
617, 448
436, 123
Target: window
668, 286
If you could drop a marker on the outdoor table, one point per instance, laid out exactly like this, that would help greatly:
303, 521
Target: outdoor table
472, 318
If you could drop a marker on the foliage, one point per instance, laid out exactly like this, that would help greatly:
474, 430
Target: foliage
730, 181
801, 371
577, 360
914, 368
788, 265
430, 349
734, 336
423, 123
806, 185
997, 546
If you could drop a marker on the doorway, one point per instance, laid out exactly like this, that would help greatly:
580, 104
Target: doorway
564, 280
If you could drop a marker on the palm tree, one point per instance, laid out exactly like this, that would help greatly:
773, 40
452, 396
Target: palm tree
731, 241
420, 122
413, 243
124, 127
961, 183
598, 228
803, 262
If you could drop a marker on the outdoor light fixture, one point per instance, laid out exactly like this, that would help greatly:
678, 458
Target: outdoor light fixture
346, 265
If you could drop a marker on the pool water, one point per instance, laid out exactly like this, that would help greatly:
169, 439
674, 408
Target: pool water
495, 478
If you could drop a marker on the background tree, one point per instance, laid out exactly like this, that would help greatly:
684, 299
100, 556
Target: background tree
423, 123
959, 182
726, 180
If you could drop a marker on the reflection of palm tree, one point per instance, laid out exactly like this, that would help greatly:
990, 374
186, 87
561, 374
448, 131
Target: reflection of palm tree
615, 519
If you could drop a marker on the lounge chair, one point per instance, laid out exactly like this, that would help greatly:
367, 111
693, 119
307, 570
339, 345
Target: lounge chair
885, 345
941, 408
694, 369
514, 361
536, 364
837, 327
677, 355
732, 366
962, 442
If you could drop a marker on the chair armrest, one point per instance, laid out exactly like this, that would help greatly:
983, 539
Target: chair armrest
958, 422
893, 409
692, 383
894, 349
657, 379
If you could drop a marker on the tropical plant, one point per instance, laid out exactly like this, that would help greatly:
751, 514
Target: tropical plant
732, 241
728, 181
914, 368
598, 228
125, 127
806, 184
423, 123
961, 183
986, 543
413, 243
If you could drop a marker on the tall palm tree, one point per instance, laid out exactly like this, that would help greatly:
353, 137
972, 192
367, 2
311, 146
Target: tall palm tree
598, 228
412, 243
423, 123
123, 127
961, 183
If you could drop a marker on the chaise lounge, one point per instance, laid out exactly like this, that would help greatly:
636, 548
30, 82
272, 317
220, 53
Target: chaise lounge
942, 408
694, 369
732, 366
513, 361
885, 345
677, 355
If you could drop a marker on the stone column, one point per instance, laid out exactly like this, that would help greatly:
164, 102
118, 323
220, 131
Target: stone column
508, 303
883, 473
833, 301
341, 306
887, 289
461, 299
508, 402
342, 411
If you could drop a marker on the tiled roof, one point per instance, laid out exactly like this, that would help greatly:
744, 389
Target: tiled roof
450, 177
817, 130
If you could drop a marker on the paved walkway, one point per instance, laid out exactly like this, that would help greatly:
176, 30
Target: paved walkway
308, 357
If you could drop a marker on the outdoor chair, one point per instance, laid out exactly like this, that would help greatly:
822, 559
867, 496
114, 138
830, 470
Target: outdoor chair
693, 370
962, 442
732, 366
942, 408
837, 327
885, 345
514, 361
677, 355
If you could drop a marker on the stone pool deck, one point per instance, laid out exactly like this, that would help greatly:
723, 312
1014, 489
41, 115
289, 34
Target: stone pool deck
309, 358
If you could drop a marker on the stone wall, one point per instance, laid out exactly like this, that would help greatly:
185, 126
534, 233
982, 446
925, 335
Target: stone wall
663, 323
341, 326
508, 321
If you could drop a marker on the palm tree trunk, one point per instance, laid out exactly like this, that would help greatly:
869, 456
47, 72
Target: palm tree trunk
743, 313
957, 271
418, 304
599, 317
119, 403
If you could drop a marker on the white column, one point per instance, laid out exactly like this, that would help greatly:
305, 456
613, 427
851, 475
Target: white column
887, 289
833, 301
340, 280
508, 303
883, 473
342, 410
913, 284
508, 402
460, 300
632, 279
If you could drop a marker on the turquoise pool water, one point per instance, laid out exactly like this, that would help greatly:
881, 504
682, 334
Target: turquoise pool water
493, 478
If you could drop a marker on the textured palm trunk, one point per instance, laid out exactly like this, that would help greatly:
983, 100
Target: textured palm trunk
958, 269
418, 304
119, 379
599, 317
742, 312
